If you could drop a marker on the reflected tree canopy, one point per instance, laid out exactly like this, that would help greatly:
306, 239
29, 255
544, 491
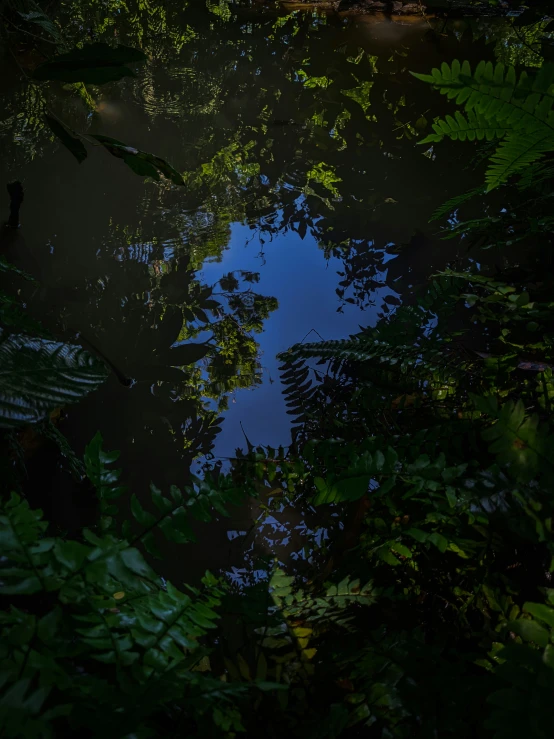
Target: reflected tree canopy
298, 148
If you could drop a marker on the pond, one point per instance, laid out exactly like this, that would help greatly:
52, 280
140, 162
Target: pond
305, 213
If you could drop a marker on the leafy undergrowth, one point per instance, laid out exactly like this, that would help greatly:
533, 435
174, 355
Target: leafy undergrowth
437, 618
433, 616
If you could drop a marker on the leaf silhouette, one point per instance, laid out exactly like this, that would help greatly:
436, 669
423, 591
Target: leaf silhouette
184, 354
94, 64
71, 142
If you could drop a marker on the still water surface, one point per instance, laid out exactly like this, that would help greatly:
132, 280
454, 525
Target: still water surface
305, 213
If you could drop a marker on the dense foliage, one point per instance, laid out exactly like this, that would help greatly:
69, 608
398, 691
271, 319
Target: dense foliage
498, 106
425, 442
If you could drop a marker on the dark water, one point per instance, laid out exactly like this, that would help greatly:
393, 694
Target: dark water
305, 213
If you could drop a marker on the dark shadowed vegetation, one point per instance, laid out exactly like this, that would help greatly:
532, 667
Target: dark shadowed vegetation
404, 589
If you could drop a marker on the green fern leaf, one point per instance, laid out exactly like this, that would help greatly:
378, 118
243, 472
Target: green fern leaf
6, 266
516, 153
105, 480
21, 531
474, 126
296, 602
517, 440
75, 465
454, 203
498, 105
37, 376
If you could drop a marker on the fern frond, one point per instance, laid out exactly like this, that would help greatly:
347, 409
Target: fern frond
443, 291
495, 91
362, 349
6, 266
498, 105
454, 203
516, 153
302, 396
75, 465
471, 127
425, 364
296, 603
357, 348
38, 375
104, 479
535, 174
519, 441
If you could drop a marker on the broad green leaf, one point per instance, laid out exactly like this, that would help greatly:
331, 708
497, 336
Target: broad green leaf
71, 142
142, 516
548, 656
438, 540
22, 586
142, 163
518, 440
451, 496
38, 375
359, 714
417, 534
134, 560
71, 554
162, 503
530, 631
41, 19
387, 556
352, 488
149, 542
6, 266
177, 527
540, 611
401, 549
93, 64
325, 493
47, 626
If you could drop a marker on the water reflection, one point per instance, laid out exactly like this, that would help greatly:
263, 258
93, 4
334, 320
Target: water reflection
306, 201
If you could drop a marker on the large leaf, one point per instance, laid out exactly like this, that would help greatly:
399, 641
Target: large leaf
530, 631
518, 440
6, 266
71, 142
184, 354
37, 375
94, 64
41, 19
141, 162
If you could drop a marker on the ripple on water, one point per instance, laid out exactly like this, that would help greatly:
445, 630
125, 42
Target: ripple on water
176, 92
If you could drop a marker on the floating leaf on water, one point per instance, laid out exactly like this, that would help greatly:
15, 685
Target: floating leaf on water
68, 139
142, 163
